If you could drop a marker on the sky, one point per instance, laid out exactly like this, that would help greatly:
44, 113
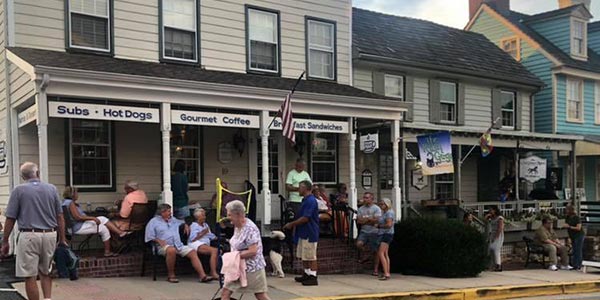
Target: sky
455, 13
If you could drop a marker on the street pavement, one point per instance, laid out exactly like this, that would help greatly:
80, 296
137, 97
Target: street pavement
7, 272
137, 288
594, 296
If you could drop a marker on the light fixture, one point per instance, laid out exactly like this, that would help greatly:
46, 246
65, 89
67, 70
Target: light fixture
239, 142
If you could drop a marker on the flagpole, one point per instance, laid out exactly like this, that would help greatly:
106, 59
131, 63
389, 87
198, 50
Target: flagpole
291, 93
474, 146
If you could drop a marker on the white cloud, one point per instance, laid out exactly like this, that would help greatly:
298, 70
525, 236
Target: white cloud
454, 13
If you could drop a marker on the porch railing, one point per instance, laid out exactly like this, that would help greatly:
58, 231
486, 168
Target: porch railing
510, 208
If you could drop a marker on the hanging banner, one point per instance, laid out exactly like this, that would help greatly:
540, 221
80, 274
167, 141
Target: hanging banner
369, 143
532, 168
436, 153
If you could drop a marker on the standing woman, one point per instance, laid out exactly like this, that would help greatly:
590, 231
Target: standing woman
496, 237
576, 234
386, 235
246, 239
179, 186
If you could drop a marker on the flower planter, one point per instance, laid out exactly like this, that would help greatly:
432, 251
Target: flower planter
534, 225
516, 226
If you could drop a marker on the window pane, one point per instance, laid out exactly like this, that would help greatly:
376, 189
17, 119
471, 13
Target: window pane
394, 86
324, 158
263, 56
87, 31
90, 153
321, 64
448, 92
508, 100
180, 44
386, 170
90, 7
180, 14
186, 145
447, 112
320, 35
262, 26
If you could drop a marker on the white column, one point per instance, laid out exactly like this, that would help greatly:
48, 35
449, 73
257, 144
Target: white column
396, 192
15, 157
165, 127
42, 126
264, 144
352, 194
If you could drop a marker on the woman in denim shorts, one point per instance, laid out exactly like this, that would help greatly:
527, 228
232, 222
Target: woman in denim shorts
386, 235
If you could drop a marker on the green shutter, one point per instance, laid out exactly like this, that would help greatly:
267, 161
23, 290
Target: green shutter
434, 101
518, 111
409, 97
379, 83
497, 108
460, 105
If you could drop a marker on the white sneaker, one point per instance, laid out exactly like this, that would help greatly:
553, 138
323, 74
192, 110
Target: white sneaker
567, 267
553, 268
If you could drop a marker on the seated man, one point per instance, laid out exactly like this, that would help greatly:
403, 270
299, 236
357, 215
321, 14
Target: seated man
133, 195
163, 230
546, 237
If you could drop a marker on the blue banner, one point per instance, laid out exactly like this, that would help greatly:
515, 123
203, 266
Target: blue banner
436, 153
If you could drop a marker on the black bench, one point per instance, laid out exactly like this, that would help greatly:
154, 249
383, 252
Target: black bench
533, 248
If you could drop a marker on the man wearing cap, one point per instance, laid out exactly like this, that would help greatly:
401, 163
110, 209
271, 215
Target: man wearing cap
36, 208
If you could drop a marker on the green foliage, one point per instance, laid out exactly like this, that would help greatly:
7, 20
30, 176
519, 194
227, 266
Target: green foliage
441, 248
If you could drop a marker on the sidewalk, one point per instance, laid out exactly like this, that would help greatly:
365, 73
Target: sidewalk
135, 288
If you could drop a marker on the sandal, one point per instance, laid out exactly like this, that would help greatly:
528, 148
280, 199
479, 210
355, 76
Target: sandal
173, 280
125, 233
206, 279
375, 274
383, 278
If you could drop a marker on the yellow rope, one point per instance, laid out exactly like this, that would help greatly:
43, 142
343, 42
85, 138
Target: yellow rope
220, 190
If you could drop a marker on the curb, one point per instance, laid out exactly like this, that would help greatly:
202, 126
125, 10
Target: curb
484, 293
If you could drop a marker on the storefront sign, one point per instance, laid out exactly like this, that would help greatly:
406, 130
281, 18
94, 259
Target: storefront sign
369, 143
436, 153
103, 112
533, 168
367, 179
27, 116
419, 181
214, 119
315, 125
3, 160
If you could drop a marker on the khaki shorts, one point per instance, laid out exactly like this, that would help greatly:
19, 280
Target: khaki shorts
306, 251
183, 252
34, 253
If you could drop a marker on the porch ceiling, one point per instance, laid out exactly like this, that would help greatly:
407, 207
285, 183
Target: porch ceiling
93, 76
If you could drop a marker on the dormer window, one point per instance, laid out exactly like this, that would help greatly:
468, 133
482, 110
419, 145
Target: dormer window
579, 38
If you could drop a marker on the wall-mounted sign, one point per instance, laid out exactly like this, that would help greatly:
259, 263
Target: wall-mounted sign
3, 160
27, 116
367, 179
436, 153
103, 112
214, 119
419, 181
225, 153
315, 125
369, 143
532, 168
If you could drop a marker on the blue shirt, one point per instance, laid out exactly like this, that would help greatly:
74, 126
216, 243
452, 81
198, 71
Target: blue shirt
167, 231
383, 219
35, 205
196, 228
76, 224
308, 231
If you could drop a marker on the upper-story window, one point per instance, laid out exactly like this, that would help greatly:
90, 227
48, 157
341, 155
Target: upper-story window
508, 109
448, 96
394, 86
575, 100
512, 47
578, 38
179, 30
597, 104
321, 49
89, 24
263, 40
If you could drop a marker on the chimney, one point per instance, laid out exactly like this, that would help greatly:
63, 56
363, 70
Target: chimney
567, 3
502, 6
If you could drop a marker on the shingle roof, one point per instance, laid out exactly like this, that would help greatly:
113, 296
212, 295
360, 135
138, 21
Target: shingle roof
422, 42
520, 20
593, 26
90, 62
555, 13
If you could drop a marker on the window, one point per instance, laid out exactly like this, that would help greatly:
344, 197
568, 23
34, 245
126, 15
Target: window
394, 86
575, 100
448, 95
386, 170
508, 109
578, 38
186, 144
323, 158
89, 24
512, 47
179, 31
91, 161
321, 49
263, 40
444, 186
597, 102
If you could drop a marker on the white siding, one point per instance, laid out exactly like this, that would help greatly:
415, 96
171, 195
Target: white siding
469, 180
136, 29
478, 106
21, 85
363, 79
40, 24
223, 33
526, 113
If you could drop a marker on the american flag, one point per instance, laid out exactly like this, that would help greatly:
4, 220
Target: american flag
285, 112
